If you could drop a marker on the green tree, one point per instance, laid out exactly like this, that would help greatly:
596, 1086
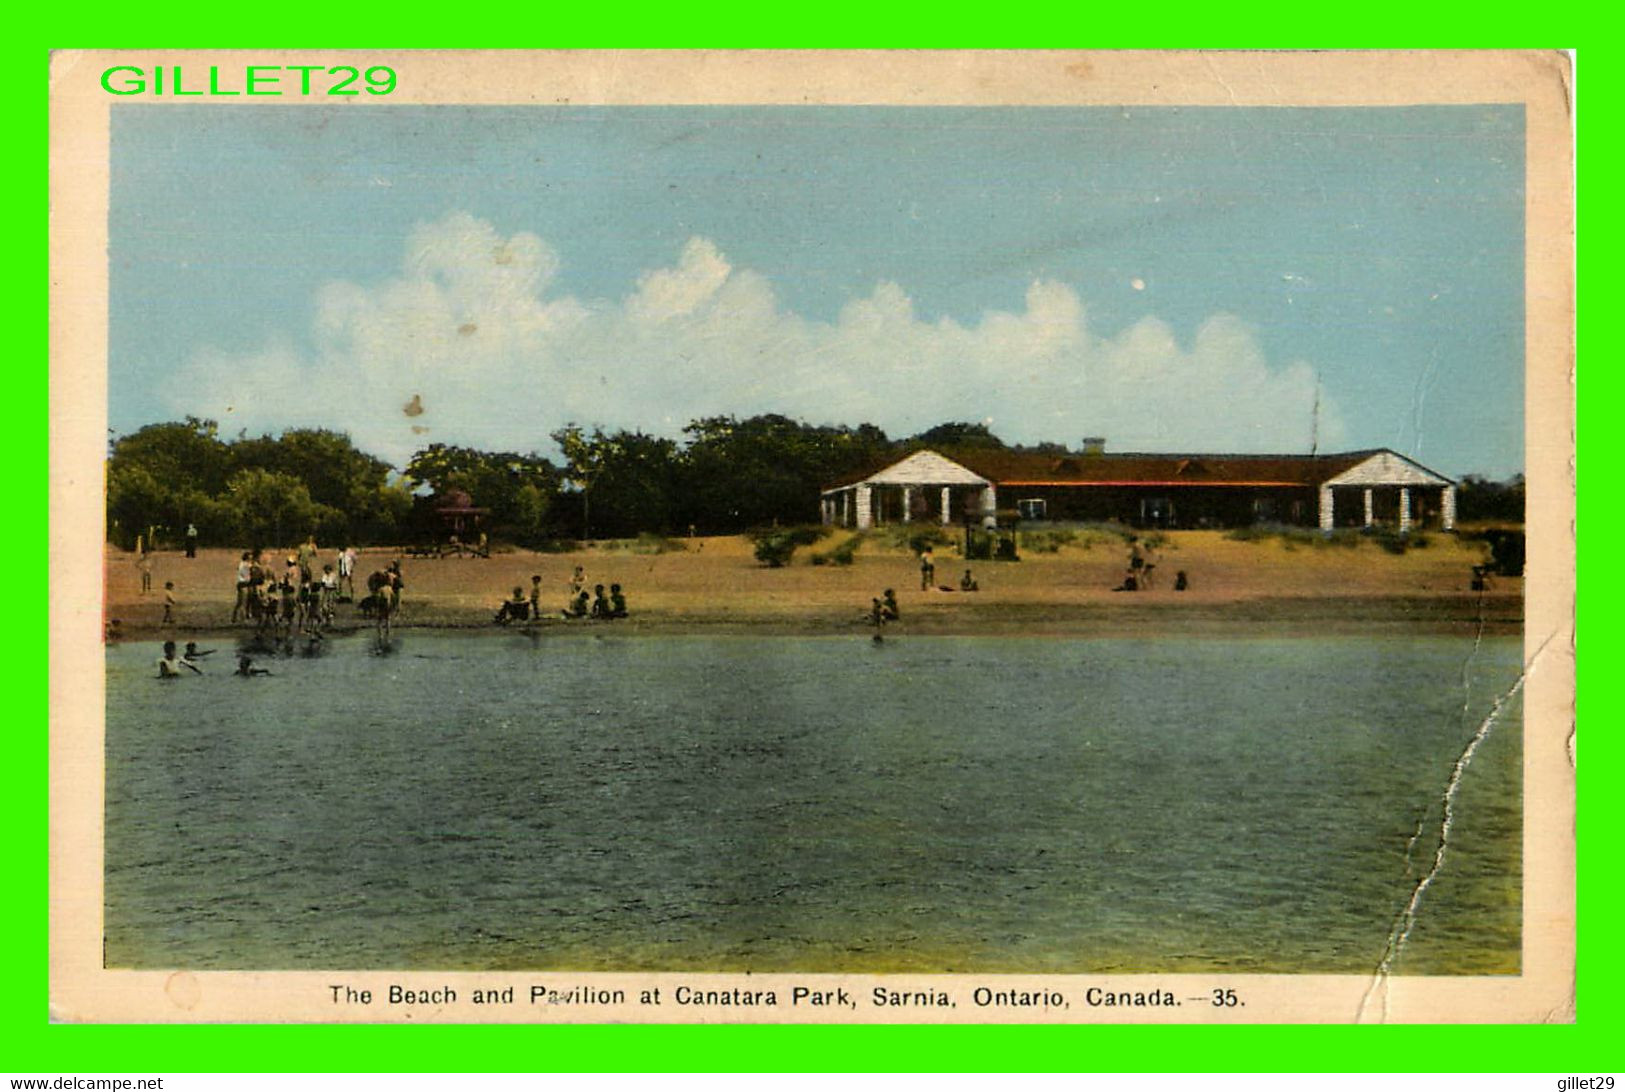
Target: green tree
274, 509
178, 454
135, 501
516, 488
628, 481
955, 434
768, 469
336, 473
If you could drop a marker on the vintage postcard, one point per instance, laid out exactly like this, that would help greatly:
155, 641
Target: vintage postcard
812, 537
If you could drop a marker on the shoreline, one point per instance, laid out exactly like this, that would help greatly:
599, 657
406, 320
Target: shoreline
715, 586
1497, 615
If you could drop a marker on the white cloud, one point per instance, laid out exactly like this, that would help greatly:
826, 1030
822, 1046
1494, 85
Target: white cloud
473, 328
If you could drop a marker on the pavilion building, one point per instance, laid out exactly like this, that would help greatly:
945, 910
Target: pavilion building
1370, 488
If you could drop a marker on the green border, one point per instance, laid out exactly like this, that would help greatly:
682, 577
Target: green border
35, 1045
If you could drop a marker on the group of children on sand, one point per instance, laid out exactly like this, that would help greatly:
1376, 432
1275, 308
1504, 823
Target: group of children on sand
599, 604
1142, 566
297, 598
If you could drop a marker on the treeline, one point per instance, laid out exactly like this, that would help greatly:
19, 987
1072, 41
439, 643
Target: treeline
726, 476
1479, 499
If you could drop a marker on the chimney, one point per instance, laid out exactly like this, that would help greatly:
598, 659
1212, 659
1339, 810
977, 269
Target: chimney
1094, 445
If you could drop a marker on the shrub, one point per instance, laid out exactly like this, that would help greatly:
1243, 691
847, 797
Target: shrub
842, 554
556, 546
650, 543
774, 549
1046, 542
914, 537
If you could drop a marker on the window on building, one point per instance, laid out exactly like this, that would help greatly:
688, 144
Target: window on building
1033, 508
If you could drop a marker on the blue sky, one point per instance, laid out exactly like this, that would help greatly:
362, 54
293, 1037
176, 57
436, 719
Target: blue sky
1171, 278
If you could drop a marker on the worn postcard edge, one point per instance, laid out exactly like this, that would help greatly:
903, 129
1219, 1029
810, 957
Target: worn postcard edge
82, 990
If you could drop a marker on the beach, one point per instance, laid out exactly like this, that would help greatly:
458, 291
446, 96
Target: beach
715, 585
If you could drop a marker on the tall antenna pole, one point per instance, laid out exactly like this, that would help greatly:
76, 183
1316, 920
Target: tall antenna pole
1314, 420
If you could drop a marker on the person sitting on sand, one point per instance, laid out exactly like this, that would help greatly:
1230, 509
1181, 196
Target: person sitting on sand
600, 602
968, 582
578, 605
877, 615
617, 602
246, 668
169, 664
113, 630
516, 609
888, 606
1180, 583
1130, 582
578, 582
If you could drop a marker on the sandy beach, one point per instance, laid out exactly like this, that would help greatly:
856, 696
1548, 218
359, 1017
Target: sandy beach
716, 585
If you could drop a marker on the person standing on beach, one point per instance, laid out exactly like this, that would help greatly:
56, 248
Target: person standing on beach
191, 540
347, 571
329, 593
536, 596
169, 603
578, 582
928, 569
306, 556
143, 562
397, 583
244, 572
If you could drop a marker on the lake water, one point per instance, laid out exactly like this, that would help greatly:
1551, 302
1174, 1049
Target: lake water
592, 801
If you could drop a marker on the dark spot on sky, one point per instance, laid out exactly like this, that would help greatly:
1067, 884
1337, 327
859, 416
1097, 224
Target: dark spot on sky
414, 408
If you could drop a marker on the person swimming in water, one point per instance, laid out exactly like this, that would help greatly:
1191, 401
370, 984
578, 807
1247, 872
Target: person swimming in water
170, 664
194, 653
246, 668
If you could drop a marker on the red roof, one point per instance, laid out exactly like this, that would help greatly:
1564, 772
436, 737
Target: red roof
1016, 468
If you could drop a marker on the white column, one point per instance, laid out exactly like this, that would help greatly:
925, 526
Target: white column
908, 504
1447, 508
1326, 521
1368, 517
947, 507
865, 519
846, 508
1404, 511
825, 516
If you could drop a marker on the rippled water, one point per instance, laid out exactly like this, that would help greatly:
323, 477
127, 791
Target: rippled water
596, 802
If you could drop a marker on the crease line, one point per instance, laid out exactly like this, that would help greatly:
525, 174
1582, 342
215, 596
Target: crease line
1405, 921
